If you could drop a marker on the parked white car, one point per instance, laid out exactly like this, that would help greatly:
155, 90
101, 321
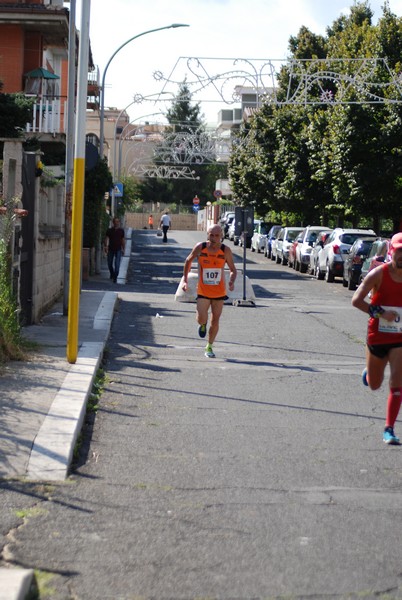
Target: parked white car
316, 249
339, 242
231, 230
259, 239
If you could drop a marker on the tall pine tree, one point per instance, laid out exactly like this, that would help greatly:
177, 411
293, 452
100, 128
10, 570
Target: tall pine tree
184, 145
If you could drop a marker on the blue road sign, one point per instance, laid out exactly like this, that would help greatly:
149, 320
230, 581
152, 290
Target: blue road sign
118, 190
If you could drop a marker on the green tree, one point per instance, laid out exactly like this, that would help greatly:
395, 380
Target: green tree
15, 113
340, 160
132, 193
183, 116
98, 181
186, 144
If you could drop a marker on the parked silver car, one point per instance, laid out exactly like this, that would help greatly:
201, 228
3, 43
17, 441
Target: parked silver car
331, 257
283, 241
304, 247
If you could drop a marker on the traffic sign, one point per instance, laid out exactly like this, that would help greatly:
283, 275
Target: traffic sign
118, 190
196, 207
196, 200
217, 193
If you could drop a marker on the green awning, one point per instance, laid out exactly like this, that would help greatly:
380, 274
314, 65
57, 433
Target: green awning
41, 73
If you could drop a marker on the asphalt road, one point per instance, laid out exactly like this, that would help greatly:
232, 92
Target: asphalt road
259, 474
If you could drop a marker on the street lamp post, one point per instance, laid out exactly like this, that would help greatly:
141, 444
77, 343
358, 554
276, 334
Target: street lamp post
113, 203
137, 100
120, 160
102, 106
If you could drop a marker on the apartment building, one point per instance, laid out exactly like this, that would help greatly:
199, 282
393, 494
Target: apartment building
34, 61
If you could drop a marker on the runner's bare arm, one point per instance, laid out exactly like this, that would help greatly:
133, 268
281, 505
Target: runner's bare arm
195, 252
232, 268
371, 282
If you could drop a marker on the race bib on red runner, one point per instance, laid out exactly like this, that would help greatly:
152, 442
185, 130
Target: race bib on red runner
394, 326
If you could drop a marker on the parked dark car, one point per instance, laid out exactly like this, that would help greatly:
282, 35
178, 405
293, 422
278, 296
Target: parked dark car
378, 254
226, 220
353, 261
271, 235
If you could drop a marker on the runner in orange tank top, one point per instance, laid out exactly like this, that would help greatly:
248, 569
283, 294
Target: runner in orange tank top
212, 256
384, 332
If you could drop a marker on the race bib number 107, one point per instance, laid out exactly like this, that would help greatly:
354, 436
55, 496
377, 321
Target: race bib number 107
211, 276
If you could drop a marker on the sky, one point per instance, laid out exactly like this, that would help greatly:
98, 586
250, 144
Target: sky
245, 33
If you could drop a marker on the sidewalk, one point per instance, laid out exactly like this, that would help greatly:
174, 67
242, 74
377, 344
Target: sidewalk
43, 401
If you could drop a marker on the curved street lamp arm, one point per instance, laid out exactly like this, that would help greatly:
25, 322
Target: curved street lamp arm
102, 112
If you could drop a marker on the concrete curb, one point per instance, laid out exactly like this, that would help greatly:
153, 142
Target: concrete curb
16, 584
53, 448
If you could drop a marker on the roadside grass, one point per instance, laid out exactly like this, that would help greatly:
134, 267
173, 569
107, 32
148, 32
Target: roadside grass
12, 344
101, 379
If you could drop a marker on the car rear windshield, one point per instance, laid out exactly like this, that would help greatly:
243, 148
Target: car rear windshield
349, 238
292, 234
365, 246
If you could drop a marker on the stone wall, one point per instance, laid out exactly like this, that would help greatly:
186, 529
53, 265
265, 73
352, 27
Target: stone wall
48, 274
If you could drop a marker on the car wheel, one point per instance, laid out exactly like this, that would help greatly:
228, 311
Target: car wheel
351, 285
236, 242
252, 249
318, 274
303, 268
297, 265
284, 261
277, 260
329, 276
344, 282
258, 250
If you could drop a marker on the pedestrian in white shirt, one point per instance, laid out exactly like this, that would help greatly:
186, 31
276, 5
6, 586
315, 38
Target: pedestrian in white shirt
164, 225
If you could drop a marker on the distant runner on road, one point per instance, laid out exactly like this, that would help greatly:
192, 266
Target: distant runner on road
384, 334
212, 256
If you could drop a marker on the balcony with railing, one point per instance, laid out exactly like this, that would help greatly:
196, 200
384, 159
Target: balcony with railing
48, 116
49, 111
